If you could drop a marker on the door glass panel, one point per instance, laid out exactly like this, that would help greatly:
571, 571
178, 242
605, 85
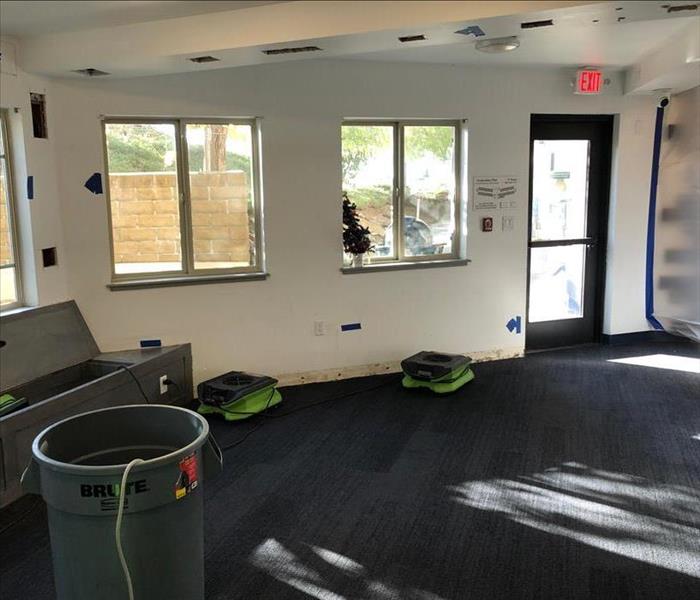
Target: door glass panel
556, 283
559, 189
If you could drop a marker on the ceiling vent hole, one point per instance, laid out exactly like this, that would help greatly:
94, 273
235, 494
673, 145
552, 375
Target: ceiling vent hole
204, 59
294, 50
537, 24
411, 38
90, 72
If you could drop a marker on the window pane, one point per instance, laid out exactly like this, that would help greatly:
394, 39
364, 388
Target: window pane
221, 190
8, 286
144, 196
368, 179
559, 189
556, 283
429, 189
8, 272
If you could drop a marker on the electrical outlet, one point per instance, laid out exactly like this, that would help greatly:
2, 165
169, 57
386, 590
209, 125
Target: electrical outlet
163, 385
320, 328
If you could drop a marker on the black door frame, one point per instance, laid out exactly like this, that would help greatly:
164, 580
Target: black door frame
606, 123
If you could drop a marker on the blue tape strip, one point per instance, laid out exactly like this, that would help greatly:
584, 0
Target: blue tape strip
94, 183
150, 343
474, 30
651, 221
350, 326
30, 187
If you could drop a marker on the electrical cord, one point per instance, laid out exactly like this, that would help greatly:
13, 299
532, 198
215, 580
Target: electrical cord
301, 408
118, 526
137, 382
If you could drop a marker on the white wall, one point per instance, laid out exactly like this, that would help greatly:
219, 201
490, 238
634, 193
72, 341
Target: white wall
267, 326
40, 218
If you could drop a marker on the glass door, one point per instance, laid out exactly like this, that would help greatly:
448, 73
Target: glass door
569, 181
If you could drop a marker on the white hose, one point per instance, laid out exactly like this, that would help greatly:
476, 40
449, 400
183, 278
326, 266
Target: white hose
118, 528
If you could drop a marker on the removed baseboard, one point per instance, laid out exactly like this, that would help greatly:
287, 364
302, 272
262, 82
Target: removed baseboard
381, 368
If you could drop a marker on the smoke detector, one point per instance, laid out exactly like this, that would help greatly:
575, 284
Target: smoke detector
498, 45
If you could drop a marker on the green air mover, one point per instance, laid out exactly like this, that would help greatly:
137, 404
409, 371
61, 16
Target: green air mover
237, 395
8, 404
442, 373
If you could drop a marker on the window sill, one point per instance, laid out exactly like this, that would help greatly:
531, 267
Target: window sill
406, 265
154, 282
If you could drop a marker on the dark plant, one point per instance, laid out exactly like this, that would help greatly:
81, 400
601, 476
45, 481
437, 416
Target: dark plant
355, 237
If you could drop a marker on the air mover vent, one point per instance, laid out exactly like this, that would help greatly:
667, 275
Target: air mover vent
204, 59
536, 24
90, 72
296, 50
411, 38
674, 9
239, 379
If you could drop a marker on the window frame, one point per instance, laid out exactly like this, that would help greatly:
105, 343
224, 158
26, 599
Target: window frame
399, 257
11, 214
188, 274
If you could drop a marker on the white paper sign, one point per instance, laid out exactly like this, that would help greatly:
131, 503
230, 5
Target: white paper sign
494, 192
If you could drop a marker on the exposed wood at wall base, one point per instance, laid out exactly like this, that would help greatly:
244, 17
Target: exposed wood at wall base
382, 368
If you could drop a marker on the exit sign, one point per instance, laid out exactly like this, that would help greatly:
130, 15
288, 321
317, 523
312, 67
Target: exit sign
589, 81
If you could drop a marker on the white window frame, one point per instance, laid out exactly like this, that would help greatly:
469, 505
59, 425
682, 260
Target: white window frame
458, 243
11, 214
188, 274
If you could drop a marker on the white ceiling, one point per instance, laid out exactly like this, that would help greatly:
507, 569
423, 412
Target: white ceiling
129, 39
23, 19
613, 45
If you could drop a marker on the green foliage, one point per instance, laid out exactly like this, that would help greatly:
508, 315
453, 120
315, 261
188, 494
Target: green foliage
137, 148
359, 143
234, 162
435, 140
141, 148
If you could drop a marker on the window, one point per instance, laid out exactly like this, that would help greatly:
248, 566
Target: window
10, 282
184, 198
404, 178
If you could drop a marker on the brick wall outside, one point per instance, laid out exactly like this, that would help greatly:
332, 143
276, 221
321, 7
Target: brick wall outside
145, 217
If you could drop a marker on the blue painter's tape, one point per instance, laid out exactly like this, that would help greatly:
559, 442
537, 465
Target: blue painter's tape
651, 220
514, 325
350, 326
474, 30
30, 187
150, 344
94, 183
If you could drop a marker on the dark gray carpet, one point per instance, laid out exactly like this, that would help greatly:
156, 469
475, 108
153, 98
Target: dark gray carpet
559, 476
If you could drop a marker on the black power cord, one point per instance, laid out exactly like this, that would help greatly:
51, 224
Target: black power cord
297, 410
136, 381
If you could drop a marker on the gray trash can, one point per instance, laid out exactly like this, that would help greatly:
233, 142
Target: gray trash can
77, 465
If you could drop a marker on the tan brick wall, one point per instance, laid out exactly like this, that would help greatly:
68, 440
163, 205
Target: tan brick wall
145, 217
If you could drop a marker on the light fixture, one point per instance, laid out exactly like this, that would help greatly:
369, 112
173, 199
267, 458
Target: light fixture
498, 45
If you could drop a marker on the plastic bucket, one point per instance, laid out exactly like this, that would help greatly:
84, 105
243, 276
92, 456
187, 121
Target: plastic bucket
77, 465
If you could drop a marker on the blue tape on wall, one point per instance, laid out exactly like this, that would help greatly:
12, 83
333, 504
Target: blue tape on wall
150, 343
350, 326
515, 324
30, 187
94, 183
651, 221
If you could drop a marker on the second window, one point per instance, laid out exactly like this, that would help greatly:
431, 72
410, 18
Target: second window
404, 178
